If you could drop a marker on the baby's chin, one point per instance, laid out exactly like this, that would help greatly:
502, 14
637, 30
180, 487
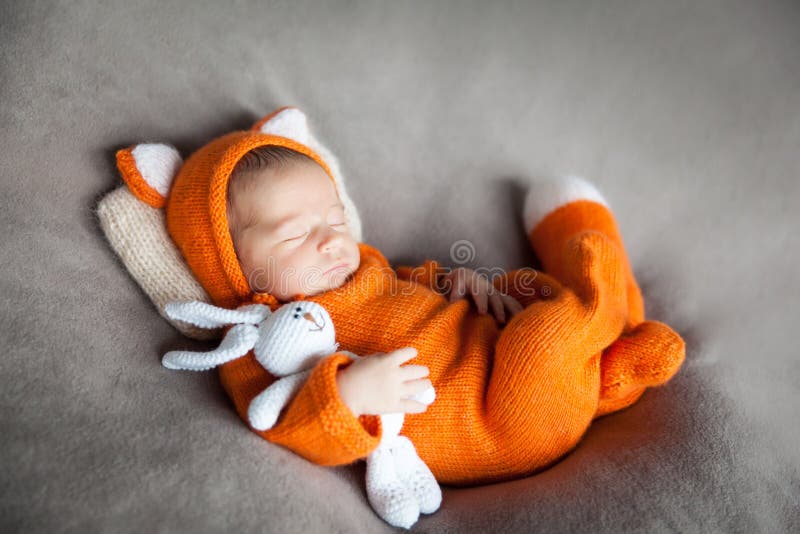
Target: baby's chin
335, 280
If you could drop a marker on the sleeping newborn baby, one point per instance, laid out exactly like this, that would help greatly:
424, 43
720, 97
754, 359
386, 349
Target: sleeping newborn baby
521, 364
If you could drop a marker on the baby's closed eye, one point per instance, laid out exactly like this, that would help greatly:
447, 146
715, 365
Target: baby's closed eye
294, 233
295, 238
336, 217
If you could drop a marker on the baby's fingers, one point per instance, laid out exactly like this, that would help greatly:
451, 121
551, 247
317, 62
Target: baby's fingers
497, 306
402, 355
416, 386
413, 372
481, 296
459, 282
513, 305
412, 406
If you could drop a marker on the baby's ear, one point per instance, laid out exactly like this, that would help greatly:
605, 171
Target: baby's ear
286, 122
149, 169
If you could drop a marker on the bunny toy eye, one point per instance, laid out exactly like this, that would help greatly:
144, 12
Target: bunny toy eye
296, 316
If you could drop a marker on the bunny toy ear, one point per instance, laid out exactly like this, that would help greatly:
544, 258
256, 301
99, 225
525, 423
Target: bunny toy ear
236, 343
207, 315
149, 169
287, 122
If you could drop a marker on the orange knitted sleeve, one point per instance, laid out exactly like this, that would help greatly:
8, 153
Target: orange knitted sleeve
427, 274
316, 424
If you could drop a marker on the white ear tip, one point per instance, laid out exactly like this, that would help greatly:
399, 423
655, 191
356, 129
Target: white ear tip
177, 360
168, 361
187, 311
257, 422
291, 123
158, 164
290, 116
293, 113
173, 309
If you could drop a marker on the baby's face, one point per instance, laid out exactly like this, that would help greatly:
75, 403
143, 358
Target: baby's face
289, 231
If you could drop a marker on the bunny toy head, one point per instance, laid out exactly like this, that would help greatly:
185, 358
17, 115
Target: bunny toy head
294, 338
289, 340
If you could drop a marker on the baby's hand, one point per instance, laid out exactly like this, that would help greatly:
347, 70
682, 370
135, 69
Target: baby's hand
378, 384
461, 281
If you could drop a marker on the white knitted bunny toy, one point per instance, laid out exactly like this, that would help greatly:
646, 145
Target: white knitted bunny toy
288, 343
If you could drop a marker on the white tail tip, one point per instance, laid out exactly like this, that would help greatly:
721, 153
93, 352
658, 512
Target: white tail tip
546, 196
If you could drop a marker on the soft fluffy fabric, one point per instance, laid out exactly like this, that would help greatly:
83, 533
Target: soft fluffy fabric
138, 234
682, 113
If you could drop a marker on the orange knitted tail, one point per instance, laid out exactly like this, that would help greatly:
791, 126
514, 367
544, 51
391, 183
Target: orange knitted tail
549, 236
545, 378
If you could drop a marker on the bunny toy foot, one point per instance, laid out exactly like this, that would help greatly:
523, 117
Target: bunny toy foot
416, 475
390, 498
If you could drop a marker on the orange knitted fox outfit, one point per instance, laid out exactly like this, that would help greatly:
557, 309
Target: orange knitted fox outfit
510, 400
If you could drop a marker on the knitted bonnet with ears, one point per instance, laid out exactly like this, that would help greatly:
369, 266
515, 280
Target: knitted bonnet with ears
169, 223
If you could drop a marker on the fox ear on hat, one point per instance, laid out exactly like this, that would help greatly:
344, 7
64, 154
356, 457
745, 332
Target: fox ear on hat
287, 122
149, 169
292, 123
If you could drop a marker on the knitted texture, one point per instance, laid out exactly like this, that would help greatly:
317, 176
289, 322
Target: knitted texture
648, 355
416, 476
148, 169
237, 342
399, 485
206, 315
563, 222
648, 352
138, 234
262, 370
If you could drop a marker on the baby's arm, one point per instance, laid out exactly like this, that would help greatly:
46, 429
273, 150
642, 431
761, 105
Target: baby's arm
316, 424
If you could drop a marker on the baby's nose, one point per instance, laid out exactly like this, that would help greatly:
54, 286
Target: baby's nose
333, 240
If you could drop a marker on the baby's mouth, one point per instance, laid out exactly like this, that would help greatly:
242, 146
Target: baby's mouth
335, 268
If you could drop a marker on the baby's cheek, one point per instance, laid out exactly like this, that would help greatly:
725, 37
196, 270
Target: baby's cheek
254, 261
355, 254
247, 256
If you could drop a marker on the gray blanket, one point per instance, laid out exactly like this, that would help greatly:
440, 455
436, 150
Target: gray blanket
685, 114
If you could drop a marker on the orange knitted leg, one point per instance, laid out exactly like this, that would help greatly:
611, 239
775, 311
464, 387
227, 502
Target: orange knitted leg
649, 355
543, 390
